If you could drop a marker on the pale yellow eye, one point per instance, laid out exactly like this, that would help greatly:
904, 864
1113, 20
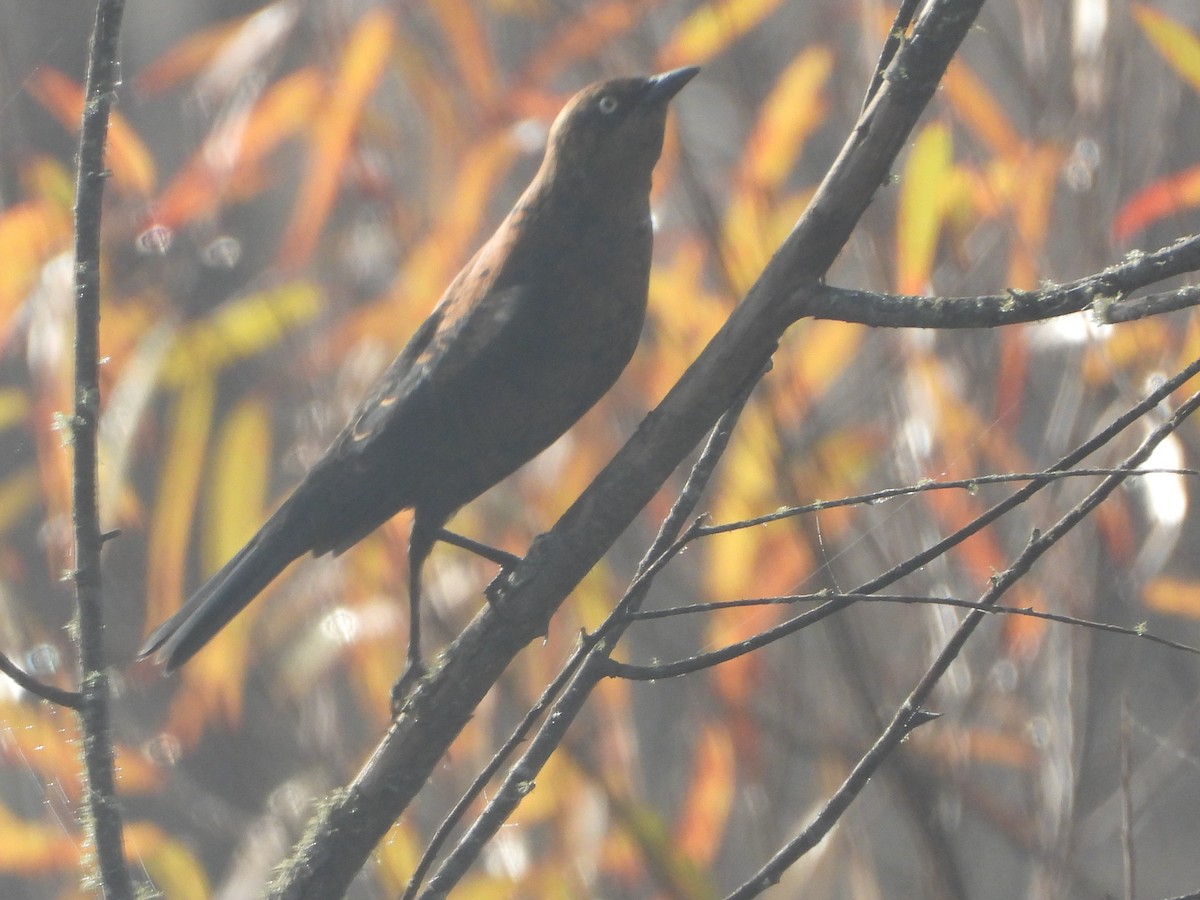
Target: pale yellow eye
608, 104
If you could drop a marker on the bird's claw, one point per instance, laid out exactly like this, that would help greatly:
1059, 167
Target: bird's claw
403, 688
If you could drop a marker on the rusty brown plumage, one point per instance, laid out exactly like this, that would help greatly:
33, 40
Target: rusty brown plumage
528, 336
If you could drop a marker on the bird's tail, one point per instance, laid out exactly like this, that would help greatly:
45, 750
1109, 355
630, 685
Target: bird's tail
223, 596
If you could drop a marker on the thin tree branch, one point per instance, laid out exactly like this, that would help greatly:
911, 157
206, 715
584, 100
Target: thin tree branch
891, 46
1151, 305
876, 497
901, 723
1104, 293
656, 671
102, 818
69, 699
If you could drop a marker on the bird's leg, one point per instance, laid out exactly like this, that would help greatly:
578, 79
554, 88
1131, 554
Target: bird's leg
420, 542
506, 561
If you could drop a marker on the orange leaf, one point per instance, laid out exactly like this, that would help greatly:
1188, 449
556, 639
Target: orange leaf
185, 59
472, 49
709, 796
1159, 199
1039, 174
791, 112
711, 28
229, 163
974, 104
1173, 596
597, 26
225, 54
32, 848
132, 166
30, 233
1178, 45
363, 62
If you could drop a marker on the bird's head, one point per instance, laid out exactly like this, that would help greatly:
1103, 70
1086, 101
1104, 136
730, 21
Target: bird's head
610, 134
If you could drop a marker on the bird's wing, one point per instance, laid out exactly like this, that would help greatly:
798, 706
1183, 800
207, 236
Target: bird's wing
439, 354
392, 388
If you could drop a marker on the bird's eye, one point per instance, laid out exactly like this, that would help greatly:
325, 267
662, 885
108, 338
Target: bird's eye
608, 104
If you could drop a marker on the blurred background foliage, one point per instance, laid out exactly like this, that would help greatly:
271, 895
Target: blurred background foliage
294, 184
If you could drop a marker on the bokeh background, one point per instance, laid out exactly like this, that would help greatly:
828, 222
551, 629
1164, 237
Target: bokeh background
293, 186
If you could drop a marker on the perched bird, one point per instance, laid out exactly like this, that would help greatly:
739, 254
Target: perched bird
529, 335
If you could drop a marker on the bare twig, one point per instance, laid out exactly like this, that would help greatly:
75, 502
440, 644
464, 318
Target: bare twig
650, 673
1151, 305
875, 497
901, 723
69, 699
1103, 293
103, 817
891, 46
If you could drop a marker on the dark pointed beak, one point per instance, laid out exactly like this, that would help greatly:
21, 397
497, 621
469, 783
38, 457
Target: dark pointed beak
662, 87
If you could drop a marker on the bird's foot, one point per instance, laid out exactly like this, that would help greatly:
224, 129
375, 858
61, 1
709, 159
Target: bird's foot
502, 558
497, 588
403, 688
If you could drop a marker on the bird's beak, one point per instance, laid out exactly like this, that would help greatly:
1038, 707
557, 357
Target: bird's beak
664, 86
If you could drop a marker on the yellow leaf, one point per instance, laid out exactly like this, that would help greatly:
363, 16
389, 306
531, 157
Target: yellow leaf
826, 348
364, 60
48, 179
19, 496
174, 869
920, 209
712, 28
35, 849
14, 407
975, 106
1174, 596
31, 234
709, 796
1178, 45
433, 263
176, 498
239, 330
236, 495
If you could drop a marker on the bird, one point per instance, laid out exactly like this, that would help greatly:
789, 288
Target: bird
536, 327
